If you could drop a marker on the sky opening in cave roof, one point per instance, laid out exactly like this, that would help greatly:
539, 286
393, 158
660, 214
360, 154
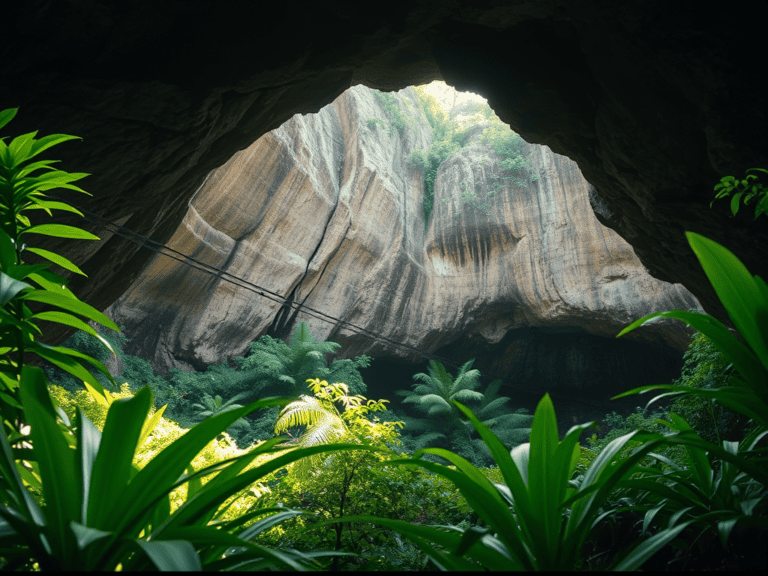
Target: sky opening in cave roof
444, 95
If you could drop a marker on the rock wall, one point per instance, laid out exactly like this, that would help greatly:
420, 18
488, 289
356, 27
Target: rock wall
327, 212
654, 100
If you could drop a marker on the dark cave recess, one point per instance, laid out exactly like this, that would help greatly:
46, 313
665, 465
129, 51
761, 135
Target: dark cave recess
580, 371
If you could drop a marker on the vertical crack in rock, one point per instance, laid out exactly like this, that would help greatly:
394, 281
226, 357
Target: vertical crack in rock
325, 210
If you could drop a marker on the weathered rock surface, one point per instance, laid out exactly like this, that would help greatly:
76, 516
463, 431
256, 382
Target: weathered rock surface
326, 211
655, 101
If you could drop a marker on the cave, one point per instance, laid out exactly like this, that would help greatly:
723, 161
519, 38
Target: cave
654, 101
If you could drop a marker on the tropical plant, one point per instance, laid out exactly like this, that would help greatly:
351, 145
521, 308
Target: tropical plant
745, 298
729, 184
287, 367
324, 423
56, 480
213, 406
329, 484
537, 519
20, 193
82, 528
433, 396
737, 494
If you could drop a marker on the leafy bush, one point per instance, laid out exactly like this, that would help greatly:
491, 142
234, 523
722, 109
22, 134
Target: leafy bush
748, 191
444, 424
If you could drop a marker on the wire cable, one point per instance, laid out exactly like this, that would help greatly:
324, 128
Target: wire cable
164, 250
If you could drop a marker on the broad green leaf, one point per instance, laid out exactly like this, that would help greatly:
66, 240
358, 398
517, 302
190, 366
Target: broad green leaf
208, 535
20, 147
739, 398
543, 479
69, 320
70, 366
21, 272
52, 282
743, 358
88, 442
57, 465
112, 467
60, 231
56, 259
29, 168
10, 288
71, 305
7, 115
171, 556
735, 202
639, 555
49, 205
149, 426
737, 290
77, 355
85, 535
7, 251
47, 141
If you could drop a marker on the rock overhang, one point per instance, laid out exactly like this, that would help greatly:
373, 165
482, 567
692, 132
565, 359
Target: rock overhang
648, 98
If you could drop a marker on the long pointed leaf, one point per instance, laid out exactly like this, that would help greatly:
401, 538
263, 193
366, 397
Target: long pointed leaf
57, 465
112, 467
737, 290
71, 305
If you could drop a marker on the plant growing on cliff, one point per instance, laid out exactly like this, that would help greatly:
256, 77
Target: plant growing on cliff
743, 191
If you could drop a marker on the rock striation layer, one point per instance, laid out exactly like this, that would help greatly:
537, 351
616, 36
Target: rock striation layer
327, 212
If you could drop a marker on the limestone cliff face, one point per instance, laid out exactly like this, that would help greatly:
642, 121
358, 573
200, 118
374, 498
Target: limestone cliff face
533, 254
327, 212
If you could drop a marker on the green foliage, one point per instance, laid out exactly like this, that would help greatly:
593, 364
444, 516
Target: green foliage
508, 144
20, 194
58, 480
536, 519
398, 121
445, 424
450, 135
743, 191
285, 368
329, 486
348, 371
83, 528
737, 493
443, 146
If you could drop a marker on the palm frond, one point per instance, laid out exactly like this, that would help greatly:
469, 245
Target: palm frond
468, 396
324, 431
302, 412
425, 439
429, 401
491, 407
492, 391
466, 381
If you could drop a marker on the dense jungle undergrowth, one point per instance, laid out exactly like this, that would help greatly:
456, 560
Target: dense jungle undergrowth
150, 473
272, 367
